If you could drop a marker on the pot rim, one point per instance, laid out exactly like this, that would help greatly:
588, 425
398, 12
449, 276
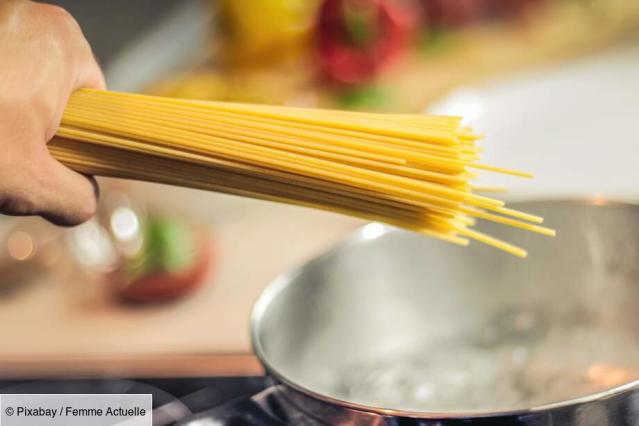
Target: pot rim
282, 281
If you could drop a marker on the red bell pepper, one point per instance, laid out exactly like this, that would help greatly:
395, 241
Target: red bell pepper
357, 38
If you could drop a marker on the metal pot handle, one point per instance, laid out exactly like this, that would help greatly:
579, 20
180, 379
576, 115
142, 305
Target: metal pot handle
243, 411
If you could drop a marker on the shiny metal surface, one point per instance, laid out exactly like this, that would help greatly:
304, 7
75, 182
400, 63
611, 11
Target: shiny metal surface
395, 325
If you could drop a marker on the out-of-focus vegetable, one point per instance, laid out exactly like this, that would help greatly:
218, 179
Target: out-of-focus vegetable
262, 30
171, 263
160, 286
357, 38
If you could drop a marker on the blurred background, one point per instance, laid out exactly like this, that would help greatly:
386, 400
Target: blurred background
161, 283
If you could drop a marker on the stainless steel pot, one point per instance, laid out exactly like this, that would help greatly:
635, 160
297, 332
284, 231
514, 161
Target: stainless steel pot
394, 328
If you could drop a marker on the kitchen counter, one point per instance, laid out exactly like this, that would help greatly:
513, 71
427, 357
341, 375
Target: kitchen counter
73, 325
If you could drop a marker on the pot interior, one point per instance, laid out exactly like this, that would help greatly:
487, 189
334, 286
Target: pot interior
395, 320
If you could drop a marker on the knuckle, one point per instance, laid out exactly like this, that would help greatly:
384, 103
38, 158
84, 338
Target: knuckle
65, 37
58, 12
63, 21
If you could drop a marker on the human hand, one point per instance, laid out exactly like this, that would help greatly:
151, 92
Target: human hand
44, 57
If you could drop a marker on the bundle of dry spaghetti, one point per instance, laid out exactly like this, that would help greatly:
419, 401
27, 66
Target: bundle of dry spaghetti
412, 171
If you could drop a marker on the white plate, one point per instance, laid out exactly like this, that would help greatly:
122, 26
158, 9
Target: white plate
576, 127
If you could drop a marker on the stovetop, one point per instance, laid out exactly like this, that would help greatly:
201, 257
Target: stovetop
219, 401
258, 401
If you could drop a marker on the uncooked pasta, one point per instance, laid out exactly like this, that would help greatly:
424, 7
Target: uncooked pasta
411, 171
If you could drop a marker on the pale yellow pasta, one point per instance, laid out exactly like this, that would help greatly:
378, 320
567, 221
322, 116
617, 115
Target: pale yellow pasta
411, 171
